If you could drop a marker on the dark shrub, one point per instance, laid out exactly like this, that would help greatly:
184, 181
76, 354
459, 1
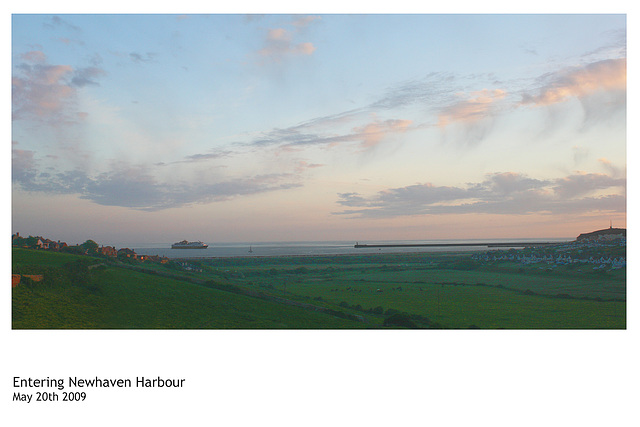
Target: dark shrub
377, 310
401, 320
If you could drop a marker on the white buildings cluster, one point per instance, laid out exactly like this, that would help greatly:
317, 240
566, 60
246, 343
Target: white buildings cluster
553, 260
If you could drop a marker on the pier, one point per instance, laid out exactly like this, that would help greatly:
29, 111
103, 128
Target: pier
434, 245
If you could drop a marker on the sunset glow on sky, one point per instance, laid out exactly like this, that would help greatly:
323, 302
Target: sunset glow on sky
133, 129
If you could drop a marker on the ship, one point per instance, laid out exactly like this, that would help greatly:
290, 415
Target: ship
189, 245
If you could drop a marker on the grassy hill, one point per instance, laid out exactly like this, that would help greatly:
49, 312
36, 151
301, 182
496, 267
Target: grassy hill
73, 296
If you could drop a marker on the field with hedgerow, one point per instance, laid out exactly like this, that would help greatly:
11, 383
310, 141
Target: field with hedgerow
426, 290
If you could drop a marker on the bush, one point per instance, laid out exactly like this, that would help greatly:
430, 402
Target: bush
377, 310
401, 320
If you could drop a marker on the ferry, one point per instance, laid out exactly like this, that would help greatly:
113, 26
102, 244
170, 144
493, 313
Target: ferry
189, 245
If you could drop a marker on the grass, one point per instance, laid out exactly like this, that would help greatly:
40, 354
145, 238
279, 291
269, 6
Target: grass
446, 289
118, 298
438, 290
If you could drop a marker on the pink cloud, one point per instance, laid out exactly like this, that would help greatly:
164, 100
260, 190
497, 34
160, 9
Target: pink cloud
47, 92
472, 110
34, 56
41, 89
304, 21
373, 133
607, 75
303, 165
279, 45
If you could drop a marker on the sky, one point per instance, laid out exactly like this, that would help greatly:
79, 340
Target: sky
150, 128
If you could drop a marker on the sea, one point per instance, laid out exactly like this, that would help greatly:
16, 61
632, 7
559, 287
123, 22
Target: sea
274, 249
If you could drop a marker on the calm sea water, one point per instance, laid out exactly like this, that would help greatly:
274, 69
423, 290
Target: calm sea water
222, 250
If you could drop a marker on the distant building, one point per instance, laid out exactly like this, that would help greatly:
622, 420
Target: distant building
108, 251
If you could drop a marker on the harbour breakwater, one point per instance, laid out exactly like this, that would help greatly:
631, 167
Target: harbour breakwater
435, 245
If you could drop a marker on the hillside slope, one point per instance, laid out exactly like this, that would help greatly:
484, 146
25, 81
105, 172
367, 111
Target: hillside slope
110, 297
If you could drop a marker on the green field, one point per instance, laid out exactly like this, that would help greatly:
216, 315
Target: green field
439, 290
113, 297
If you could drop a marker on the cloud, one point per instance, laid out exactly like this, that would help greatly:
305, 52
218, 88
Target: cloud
303, 166
368, 135
142, 57
56, 22
87, 76
511, 182
40, 90
136, 187
46, 92
279, 45
608, 75
374, 133
479, 106
583, 183
579, 154
303, 21
611, 168
200, 157
435, 90
23, 165
500, 193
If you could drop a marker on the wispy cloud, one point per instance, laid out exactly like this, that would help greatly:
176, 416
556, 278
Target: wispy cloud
367, 136
607, 75
613, 170
200, 157
500, 193
375, 132
140, 58
480, 105
432, 90
56, 22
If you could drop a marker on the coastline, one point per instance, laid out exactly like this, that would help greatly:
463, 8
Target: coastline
332, 248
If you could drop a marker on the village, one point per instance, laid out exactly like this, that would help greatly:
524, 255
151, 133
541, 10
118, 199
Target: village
87, 248
602, 249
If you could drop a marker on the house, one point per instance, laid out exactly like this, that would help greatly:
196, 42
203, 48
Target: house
108, 251
51, 245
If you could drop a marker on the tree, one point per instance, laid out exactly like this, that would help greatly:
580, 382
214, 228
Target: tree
90, 246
